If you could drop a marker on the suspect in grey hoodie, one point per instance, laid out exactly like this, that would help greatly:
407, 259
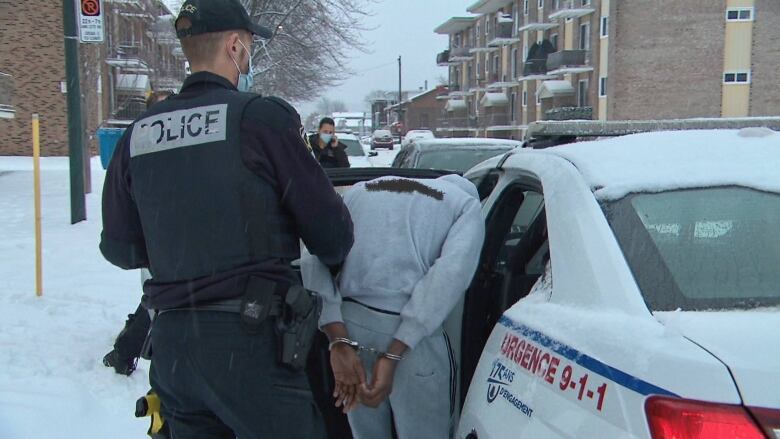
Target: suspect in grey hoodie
417, 246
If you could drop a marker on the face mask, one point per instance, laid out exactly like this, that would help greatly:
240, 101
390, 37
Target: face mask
326, 137
245, 80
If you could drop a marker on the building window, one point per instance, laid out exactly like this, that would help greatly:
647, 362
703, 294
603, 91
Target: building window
557, 4
585, 2
514, 63
487, 26
525, 51
495, 65
585, 36
538, 97
603, 86
525, 7
541, 4
739, 14
737, 77
525, 98
582, 95
604, 27
513, 108
554, 41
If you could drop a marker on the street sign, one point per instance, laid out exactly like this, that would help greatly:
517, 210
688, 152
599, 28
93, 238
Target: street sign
91, 21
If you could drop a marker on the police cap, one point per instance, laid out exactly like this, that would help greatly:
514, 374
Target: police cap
209, 16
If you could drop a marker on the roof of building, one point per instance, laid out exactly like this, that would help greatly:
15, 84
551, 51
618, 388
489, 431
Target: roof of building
455, 25
487, 6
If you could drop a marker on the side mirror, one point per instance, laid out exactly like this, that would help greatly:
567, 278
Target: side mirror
373, 154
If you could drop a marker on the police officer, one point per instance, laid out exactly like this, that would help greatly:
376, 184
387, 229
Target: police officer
211, 190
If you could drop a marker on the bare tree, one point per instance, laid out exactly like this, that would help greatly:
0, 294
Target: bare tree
327, 106
312, 40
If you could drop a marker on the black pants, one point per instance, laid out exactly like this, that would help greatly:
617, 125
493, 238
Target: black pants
217, 381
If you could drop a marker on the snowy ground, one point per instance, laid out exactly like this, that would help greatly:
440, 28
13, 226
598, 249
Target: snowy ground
52, 381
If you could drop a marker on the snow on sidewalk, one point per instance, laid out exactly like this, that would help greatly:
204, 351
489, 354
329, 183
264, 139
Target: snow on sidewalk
52, 380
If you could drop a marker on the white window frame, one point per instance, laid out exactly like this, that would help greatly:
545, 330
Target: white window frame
739, 12
541, 4
555, 39
605, 27
525, 51
525, 7
603, 84
525, 98
585, 2
513, 59
585, 44
538, 98
736, 73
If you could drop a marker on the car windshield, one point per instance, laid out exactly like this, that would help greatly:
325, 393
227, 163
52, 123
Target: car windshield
702, 249
456, 159
353, 147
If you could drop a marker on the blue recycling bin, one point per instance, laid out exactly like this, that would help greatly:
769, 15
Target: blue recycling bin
107, 139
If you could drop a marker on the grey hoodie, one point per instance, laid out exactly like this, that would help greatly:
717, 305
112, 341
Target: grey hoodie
417, 246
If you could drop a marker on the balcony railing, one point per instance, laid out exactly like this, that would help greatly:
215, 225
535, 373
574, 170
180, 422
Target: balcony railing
502, 34
572, 9
567, 58
460, 54
458, 123
534, 67
494, 119
569, 113
443, 58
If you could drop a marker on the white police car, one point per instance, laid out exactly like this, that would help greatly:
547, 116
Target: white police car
628, 288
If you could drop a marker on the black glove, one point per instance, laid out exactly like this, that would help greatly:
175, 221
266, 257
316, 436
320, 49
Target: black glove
122, 366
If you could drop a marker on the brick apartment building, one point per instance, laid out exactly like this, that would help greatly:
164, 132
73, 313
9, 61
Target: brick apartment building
419, 112
518, 61
140, 54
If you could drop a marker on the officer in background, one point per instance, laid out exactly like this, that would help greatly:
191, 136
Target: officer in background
211, 190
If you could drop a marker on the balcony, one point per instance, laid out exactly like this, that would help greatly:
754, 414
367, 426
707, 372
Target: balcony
569, 113
494, 120
503, 34
566, 62
539, 26
572, 9
443, 58
456, 124
460, 54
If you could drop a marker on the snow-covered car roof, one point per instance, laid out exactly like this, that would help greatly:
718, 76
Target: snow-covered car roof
467, 143
660, 161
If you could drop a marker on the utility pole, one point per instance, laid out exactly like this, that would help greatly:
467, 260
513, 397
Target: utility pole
400, 111
78, 209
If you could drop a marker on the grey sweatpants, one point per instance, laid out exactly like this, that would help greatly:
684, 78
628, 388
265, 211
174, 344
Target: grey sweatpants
421, 403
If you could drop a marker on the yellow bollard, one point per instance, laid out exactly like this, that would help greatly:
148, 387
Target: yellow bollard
37, 189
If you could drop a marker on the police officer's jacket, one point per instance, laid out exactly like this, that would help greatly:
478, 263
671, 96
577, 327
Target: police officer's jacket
213, 186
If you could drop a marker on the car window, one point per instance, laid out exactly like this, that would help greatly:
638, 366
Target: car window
456, 160
701, 249
354, 149
528, 211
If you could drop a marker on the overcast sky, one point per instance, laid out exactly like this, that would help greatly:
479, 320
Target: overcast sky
400, 27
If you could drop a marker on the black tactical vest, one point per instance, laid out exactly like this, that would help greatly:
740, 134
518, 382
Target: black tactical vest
202, 210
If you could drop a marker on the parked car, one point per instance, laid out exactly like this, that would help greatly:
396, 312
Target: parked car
628, 288
358, 158
452, 154
382, 139
417, 135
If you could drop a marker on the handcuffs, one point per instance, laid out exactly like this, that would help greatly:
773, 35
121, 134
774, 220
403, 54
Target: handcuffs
360, 348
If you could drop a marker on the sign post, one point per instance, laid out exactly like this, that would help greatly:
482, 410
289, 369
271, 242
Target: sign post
37, 194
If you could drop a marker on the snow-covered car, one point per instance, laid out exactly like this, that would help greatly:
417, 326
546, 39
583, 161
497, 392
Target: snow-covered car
628, 288
357, 155
417, 135
455, 154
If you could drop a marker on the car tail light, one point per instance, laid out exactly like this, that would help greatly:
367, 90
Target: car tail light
674, 418
769, 420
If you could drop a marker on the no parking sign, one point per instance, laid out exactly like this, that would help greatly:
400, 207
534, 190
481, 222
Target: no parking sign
91, 21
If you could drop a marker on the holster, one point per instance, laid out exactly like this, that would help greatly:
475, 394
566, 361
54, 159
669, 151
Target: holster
297, 326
